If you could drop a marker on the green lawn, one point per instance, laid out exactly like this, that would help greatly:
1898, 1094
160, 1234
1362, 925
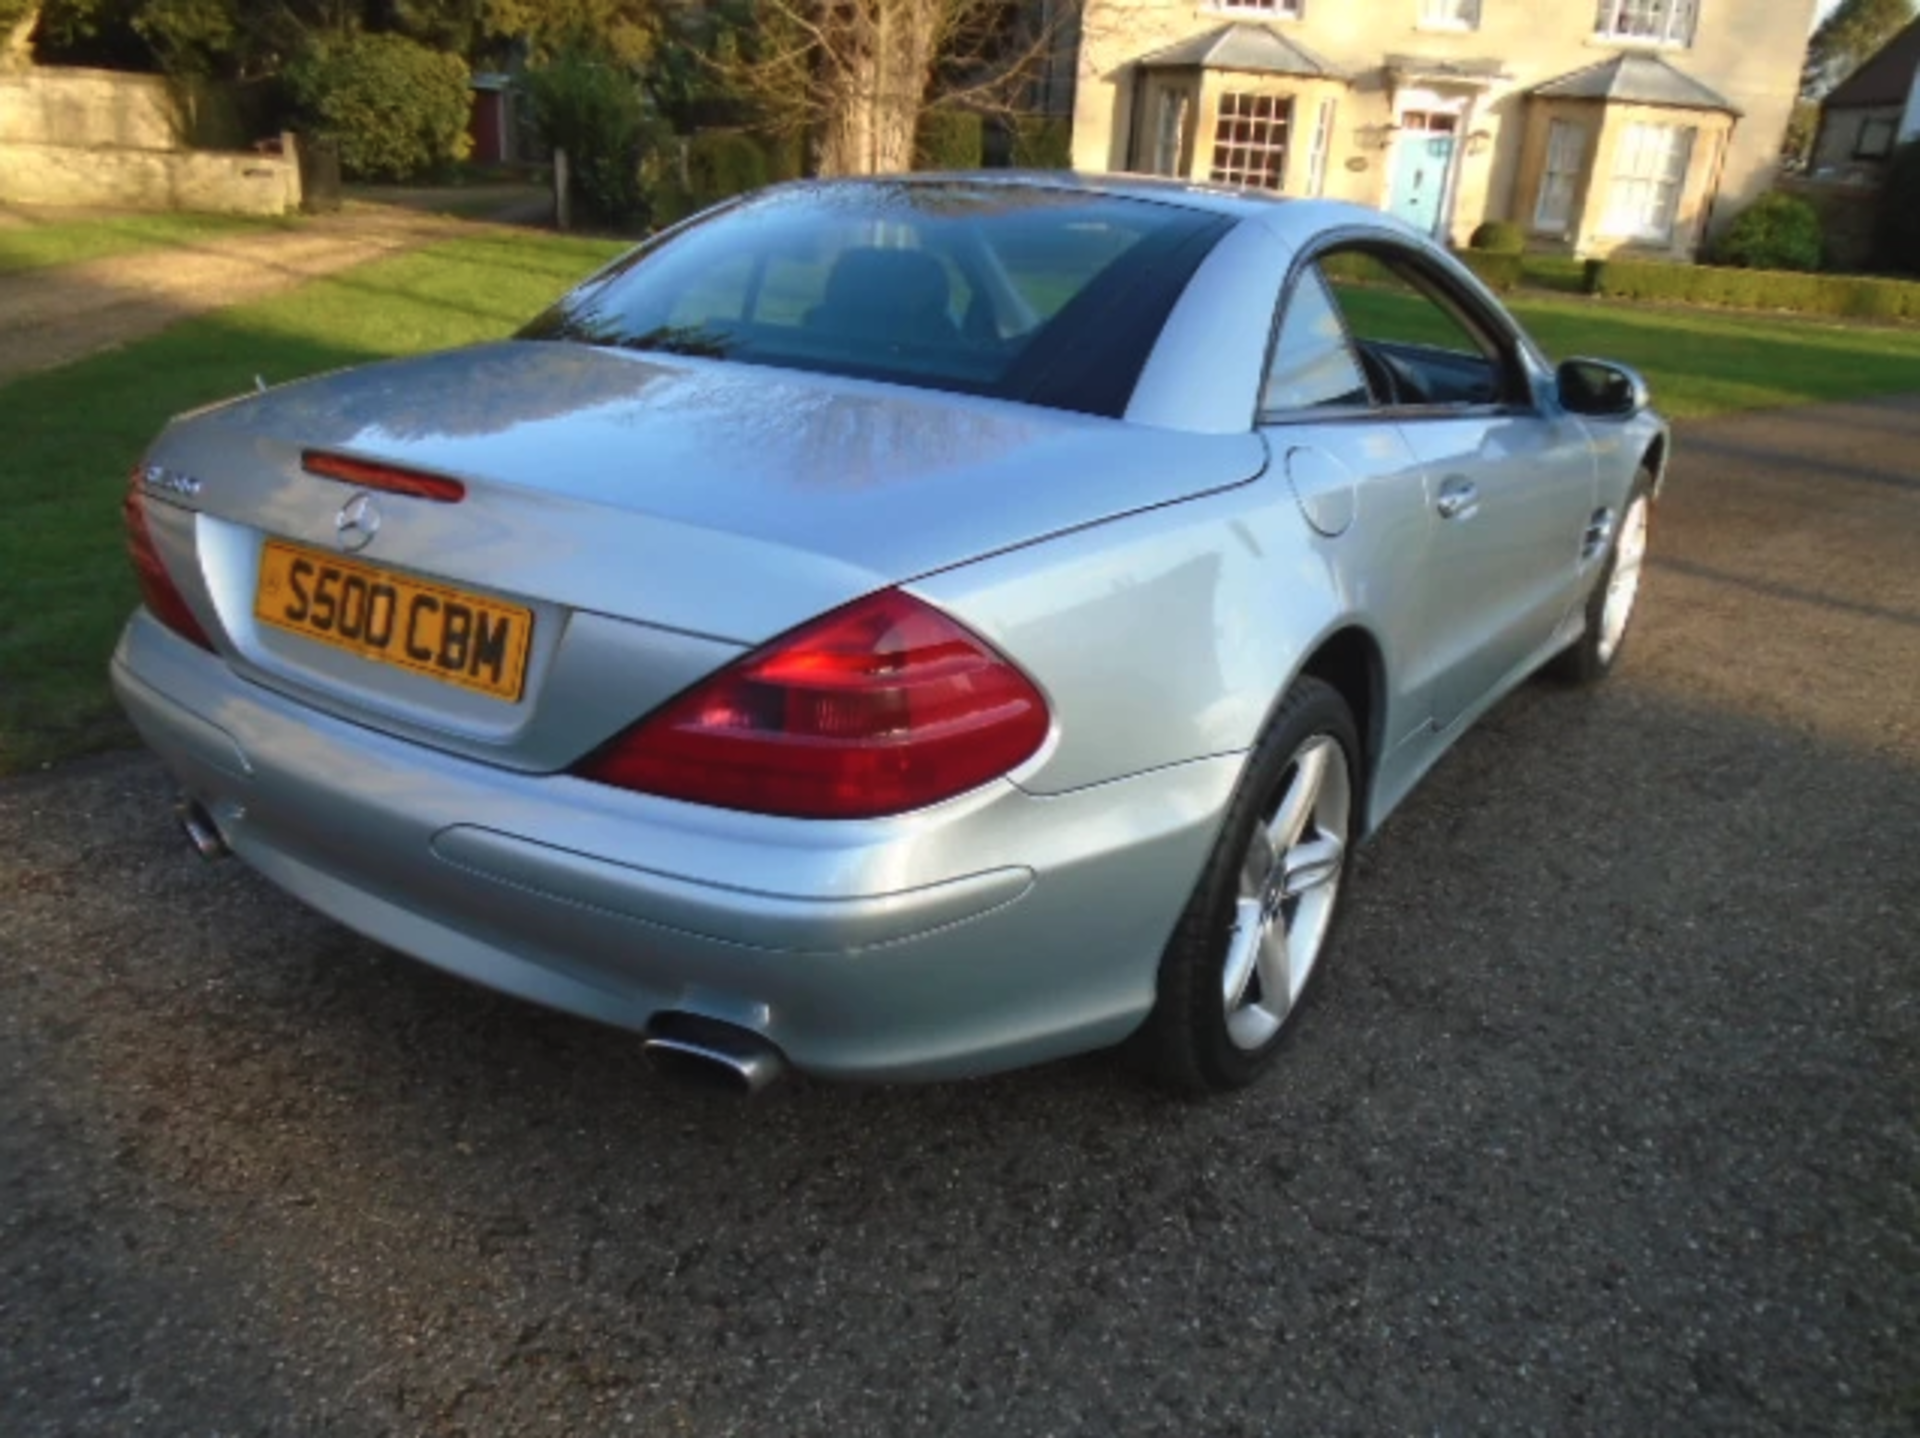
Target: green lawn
73, 432
1706, 362
1700, 362
33, 245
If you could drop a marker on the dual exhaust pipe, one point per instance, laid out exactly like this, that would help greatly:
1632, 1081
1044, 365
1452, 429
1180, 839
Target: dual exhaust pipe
691, 1046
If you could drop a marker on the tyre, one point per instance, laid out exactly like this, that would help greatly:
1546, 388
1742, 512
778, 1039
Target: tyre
1615, 593
1237, 967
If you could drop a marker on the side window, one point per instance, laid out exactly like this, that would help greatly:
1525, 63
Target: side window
1313, 365
718, 295
1418, 350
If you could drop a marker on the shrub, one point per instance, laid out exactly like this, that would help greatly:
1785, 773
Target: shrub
1042, 143
1775, 232
1499, 237
585, 104
1898, 240
722, 164
1839, 296
394, 107
948, 140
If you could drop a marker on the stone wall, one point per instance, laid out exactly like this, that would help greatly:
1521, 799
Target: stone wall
87, 108
98, 137
148, 179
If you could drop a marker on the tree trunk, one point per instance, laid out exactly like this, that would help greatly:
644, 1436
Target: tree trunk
878, 85
16, 49
846, 135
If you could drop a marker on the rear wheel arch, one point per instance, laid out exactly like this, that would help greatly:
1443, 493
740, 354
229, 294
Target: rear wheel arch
1350, 662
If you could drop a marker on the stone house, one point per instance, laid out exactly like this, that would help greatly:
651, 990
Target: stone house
1621, 124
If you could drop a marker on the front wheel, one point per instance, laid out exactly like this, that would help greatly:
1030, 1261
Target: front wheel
1616, 593
1251, 937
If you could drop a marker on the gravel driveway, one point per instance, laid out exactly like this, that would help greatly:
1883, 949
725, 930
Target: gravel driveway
1604, 1120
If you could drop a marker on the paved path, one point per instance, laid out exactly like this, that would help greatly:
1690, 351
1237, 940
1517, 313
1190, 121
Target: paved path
1603, 1121
55, 315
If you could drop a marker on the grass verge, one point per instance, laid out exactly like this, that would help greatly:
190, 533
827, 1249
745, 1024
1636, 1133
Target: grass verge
64, 585
35, 245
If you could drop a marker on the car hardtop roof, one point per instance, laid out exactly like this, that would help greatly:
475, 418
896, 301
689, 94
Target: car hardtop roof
1281, 212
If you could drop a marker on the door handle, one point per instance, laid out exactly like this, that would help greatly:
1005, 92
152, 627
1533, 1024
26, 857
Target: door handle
1459, 499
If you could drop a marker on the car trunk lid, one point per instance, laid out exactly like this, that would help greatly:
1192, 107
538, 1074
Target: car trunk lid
647, 517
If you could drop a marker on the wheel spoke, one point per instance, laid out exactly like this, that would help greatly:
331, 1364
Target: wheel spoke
1243, 950
1311, 863
1257, 867
1305, 934
1277, 986
1296, 807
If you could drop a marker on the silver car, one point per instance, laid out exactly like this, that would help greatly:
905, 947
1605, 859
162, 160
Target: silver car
898, 629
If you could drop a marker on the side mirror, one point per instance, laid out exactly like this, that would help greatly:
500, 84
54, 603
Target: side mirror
1601, 389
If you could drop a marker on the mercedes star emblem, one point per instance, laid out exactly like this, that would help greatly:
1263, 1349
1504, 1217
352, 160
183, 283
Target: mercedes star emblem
357, 523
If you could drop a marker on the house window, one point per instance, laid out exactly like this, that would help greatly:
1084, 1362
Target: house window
1289, 8
1450, 14
1169, 130
1658, 22
1566, 148
1322, 143
1876, 139
1250, 140
1649, 170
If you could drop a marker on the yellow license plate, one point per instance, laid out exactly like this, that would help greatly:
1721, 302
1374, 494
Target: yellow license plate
389, 618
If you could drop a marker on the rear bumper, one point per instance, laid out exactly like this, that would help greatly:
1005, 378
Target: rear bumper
995, 930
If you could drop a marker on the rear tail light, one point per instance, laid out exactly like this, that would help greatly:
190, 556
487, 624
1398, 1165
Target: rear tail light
877, 708
157, 589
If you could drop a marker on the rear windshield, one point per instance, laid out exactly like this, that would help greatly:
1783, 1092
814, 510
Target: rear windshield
1053, 297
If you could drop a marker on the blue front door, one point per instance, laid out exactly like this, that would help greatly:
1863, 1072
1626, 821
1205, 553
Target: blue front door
1420, 178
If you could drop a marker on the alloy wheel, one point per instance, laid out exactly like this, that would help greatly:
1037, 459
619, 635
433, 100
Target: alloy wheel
1289, 879
1623, 584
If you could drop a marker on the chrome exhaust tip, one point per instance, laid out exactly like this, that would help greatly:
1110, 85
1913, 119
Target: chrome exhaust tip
712, 1052
197, 824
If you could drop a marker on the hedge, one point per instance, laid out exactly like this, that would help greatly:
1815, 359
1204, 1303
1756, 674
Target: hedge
1897, 241
701, 171
1498, 272
1554, 272
948, 140
722, 164
1840, 296
1042, 143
